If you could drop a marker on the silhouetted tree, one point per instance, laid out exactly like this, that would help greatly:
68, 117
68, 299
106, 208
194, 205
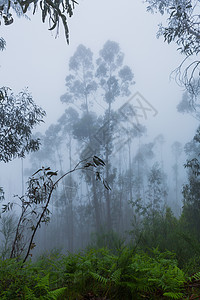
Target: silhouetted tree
159, 141
191, 190
81, 87
115, 80
156, 191
144, 154
176, 150
190, 103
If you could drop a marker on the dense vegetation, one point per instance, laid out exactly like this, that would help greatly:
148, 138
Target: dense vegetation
118, 273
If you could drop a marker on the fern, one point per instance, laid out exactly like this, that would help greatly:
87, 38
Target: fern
42, 290
129, 275
131, 285
173, 295
57, 293
99, 278
115, 277
29, 294
42, 287
196, 276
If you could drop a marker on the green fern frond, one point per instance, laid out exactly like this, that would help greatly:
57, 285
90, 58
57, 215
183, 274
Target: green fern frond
196, 276
115, 277
42, 287
138, 286
28, 294
145, 288
57, 293
173, 295
131, 285
44, 282
99, 278
113, 267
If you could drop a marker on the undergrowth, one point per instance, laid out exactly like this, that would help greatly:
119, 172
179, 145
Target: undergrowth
100, 273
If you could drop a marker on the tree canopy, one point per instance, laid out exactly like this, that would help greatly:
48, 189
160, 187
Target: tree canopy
52, 10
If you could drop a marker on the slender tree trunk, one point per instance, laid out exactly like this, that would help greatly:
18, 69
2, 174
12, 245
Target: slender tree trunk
108, 204
120, 222
94, 188
96, 205
71, 212
22, 161
130, 170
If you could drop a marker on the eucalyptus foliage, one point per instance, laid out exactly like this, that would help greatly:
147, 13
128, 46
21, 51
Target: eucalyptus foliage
182, 26
18, 116
51, 10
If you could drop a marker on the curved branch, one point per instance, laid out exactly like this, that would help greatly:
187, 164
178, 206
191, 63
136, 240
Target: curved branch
185, 75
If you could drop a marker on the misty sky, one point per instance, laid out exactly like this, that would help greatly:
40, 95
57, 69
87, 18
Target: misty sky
35, 59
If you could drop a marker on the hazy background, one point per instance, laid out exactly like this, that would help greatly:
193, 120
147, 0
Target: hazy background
35, 59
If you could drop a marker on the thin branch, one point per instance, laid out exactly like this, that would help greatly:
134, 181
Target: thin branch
17, 233
47, 203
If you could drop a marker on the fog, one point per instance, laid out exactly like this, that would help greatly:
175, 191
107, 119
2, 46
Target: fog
34, 58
